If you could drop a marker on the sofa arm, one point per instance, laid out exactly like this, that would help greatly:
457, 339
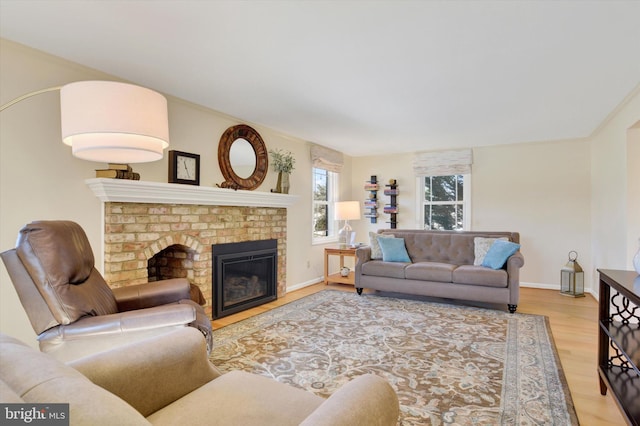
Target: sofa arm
149, 295
363, 255
514, 263
152, 373
367, 400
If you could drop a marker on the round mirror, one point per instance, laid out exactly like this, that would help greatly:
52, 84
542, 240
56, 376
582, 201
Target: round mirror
243, 159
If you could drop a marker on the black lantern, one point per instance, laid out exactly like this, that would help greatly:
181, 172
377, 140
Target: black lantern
572, 277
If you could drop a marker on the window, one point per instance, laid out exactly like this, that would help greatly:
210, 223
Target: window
324, 195
445, 206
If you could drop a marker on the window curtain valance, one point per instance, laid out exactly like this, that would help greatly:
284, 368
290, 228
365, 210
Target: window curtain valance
443, 163
327, 159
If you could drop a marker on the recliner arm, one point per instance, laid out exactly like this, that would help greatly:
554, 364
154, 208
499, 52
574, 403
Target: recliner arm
123, 322
148, 295
366, 400
152, 373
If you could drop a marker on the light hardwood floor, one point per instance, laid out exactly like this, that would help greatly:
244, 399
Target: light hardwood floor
574, 328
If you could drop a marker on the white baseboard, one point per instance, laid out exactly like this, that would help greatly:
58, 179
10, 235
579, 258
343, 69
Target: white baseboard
522, 284
555, 287
305, 284
540, 285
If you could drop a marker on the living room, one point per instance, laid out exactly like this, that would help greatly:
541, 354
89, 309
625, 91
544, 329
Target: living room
567, 193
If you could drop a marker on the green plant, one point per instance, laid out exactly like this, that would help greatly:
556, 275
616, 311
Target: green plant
282, 161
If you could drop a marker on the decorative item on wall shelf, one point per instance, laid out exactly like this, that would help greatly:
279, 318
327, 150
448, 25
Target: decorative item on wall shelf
184, 168
118, 171
242, 139
372, 203
391, 209
283, 163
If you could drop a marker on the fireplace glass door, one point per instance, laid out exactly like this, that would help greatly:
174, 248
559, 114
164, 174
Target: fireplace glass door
244, 275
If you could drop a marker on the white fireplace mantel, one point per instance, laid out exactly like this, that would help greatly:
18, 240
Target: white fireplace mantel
136, 191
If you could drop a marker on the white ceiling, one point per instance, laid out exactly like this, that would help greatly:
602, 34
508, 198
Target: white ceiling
364, 77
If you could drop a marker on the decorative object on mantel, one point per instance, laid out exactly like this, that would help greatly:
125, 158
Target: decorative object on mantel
572, 277
118, 171
102, 121
184, 167
241, 134
283, 163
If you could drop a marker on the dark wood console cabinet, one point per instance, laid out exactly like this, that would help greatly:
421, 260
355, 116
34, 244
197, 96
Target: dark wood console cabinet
619, 340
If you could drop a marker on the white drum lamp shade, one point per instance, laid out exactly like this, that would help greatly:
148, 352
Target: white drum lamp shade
114, 122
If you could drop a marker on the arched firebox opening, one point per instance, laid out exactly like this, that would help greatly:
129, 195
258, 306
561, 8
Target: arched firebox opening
175, 261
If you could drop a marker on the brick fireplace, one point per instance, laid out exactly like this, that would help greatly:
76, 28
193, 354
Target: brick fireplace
141, 219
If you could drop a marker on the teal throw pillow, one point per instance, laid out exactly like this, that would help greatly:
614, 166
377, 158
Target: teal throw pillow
499, 253
393, 250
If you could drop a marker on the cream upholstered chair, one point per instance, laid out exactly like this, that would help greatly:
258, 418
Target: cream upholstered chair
71, 307
168, 380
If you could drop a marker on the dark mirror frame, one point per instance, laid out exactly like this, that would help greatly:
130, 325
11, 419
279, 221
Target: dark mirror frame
232, 180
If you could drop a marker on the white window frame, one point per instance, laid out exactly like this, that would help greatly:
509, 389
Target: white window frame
332, 196
466, 201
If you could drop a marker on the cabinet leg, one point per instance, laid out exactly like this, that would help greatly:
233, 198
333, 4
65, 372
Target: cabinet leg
603, 387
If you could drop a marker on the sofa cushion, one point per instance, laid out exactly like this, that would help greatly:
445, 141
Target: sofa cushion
376, 252
499, 253
430, 271
479, 275
393, 250
481, 246
380, 268
241, 398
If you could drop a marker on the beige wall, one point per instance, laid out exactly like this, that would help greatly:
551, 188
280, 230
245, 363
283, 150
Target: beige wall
40, 179
615, 198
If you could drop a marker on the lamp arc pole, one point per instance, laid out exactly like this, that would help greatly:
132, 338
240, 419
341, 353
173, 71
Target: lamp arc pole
28, 95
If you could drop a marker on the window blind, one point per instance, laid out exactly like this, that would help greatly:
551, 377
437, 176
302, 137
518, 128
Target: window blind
443, 163
326, 158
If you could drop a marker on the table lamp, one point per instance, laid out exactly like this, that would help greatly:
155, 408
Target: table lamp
346, 210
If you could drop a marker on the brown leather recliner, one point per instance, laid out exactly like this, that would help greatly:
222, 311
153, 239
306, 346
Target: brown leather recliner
71, 307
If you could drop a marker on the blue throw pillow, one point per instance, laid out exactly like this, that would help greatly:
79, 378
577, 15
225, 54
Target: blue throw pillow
393, 250
499, 253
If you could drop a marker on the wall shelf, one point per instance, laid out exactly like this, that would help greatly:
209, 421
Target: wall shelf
371, 203
392, 191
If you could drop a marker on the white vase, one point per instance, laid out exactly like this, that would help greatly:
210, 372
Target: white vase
636, 259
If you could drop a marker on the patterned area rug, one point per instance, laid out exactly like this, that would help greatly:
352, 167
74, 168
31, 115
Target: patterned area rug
448, 364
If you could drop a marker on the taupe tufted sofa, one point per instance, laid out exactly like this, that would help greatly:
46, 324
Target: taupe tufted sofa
442, 265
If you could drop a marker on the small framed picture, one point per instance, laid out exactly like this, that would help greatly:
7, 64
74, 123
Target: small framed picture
184, 168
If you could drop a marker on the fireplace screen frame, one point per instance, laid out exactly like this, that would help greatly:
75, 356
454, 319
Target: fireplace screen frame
230, 253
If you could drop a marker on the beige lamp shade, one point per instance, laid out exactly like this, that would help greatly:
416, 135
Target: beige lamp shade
114, 122
347, 210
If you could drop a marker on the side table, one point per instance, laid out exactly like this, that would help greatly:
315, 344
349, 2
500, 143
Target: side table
337, 278
619, 340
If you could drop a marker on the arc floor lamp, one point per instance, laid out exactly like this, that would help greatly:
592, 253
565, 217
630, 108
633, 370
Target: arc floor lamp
111, 122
